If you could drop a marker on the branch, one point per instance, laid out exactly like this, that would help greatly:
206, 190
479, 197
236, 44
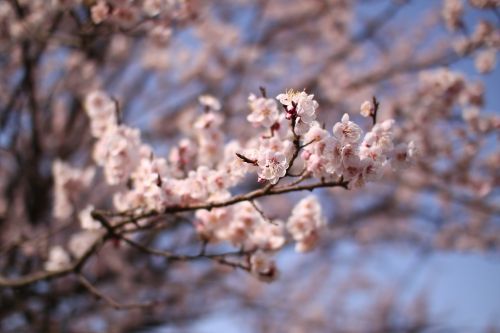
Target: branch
376, 105
219, 257
254, 195
112, 302
47, 275
265, 191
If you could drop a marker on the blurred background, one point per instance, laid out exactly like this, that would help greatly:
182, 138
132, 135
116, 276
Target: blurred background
417, 251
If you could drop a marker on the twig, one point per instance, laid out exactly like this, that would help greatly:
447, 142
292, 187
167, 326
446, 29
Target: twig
308, 143
261, 212
47, 275
373, 114
112, 302
252, 195
296, 144
246, 159
263, 92
111, 231
303, 176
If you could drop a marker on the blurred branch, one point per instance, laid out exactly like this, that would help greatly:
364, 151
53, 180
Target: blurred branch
110, 301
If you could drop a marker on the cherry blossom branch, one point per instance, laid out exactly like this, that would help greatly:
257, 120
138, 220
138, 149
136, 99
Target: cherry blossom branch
111, 232
24, 240
252, 195
47, 275
221, 258
297, 148
261, 212
166, 254
246, 159
302, 176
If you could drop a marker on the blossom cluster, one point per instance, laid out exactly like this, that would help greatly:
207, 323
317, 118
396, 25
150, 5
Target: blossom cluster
69, 182
155, 16
484, 39
126, 14
305, 223
205, 167
458, 94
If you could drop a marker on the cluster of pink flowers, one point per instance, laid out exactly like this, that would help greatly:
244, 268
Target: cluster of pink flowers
204, 167
128, 13
305, 223
198, 169
299, 105
264, 111
348, 155
69, 182
484, 39
452, 13
242, 225
458, 93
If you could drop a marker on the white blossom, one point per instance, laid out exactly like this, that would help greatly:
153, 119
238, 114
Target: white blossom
315, 134
147, 179
367, 108
58, 259
69, 182
100, 11
208, 121
125, 16
470, 113
317, 154
272, 165
300, 103
263, 267
452, 13
268, 235
264, 111
485, 60
182, 157
210, 138
234, 168
210, 223
305, 223
118, 151
210, 102
81, 242
101, 110
153, 7
347, 131
403, 154
288, 99
87, 222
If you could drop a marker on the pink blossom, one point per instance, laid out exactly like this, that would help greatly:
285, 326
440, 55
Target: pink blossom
306, 223
346, 131
100, 11
87, 222
272, 165
69, 183
367, 108
101, 110
58, 259
264, 111
117, 151
299, 103
263, 267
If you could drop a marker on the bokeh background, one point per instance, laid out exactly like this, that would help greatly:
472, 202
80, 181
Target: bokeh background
415, 252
